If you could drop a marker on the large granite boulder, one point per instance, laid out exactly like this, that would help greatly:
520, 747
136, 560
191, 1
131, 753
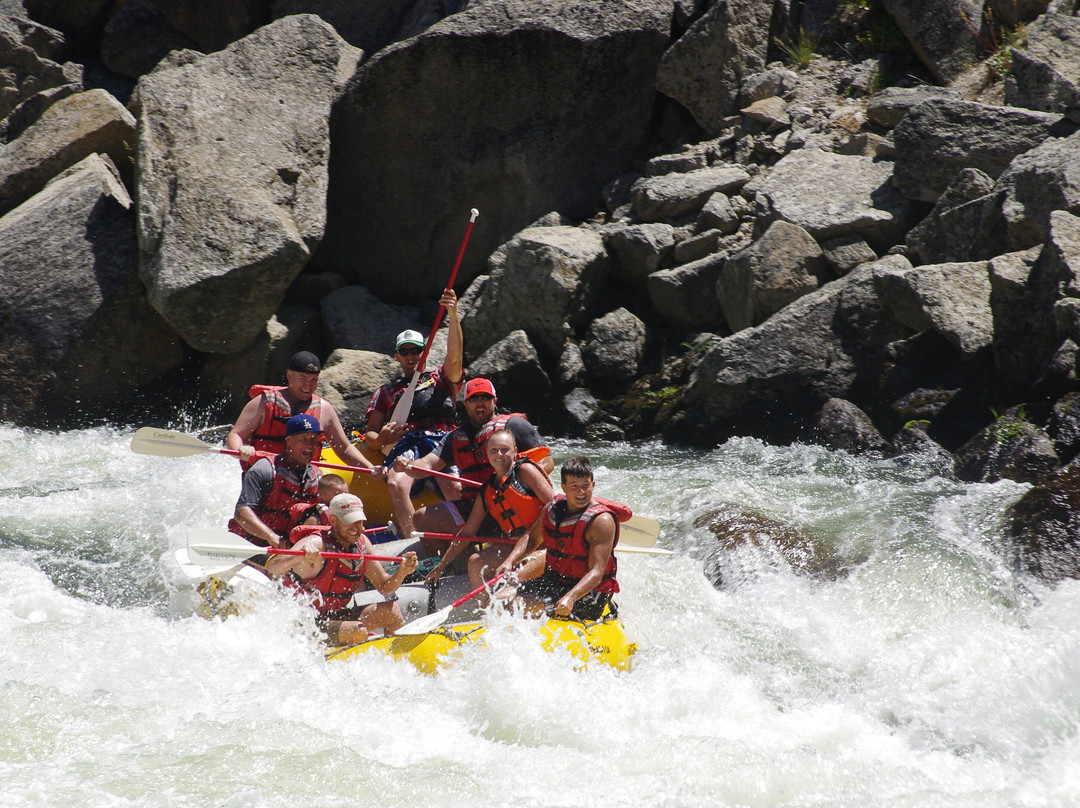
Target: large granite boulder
671, 196
373, 330
614, 346
30, 55
944, 35
544, 281
1036, 183
367, 24
761, 381
950, 231
232, 177
705, 68
762, 278
1045, 74
831, 195
951, 299
638, 250
1011, 448
514, 107
685, 296
73, 128
942, 136
888, 107
350, 378
1022, 299
87, 335
842, 425
1044, 527
513, 366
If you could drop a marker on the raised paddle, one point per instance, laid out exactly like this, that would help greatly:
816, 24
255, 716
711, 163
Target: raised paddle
207, 546
400, 415
430, 622
150, 440
619, 548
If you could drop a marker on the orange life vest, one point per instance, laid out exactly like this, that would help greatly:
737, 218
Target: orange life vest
512, 504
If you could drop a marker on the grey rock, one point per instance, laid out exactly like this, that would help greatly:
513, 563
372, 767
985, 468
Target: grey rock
614, 346
761, 279
544, 280
759, 380
1043, 180
1024, 337
1045, 74
1011, 12
697, 246
844, 253
949, 230
685, 296
32, 108
888, 107
922, 404
770, 112
842, 425
232, 176
580, 408
1043, 527
951, 299
940, 137
706, 66
912, 444
87, 332
571, 368
356, 320
775, 81
1063, 426
73, 17
638, 250
943, 36
680, 163
674, 195
70, 130
366, 24
139, 35
718, 213
26, 71
1011, 448
524, 108
831, 195
349, 379
513, 366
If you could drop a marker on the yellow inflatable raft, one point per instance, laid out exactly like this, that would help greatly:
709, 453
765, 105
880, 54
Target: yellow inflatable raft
371, 491
603, 641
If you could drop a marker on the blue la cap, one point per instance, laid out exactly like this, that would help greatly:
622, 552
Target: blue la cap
300, 424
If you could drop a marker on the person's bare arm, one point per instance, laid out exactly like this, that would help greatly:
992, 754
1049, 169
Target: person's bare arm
528, 543
254, 526
388, 584
472, 524
453, 365
250, 418
306, 566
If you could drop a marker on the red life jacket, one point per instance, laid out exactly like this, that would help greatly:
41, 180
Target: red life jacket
288, 490
564, 539
270, 435
337, 581
302, 511
470, 454
512, 504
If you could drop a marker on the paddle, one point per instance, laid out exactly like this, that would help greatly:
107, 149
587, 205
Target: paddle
207, 547
430, 622
199, 571
619, 548
168, 443
637, 531
400, 415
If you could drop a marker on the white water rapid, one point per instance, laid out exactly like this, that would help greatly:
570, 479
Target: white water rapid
927, 674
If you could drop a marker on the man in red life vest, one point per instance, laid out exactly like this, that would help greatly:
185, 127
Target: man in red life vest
430, 417
272, 488
261, 425
578, 534
465, 448
333, 581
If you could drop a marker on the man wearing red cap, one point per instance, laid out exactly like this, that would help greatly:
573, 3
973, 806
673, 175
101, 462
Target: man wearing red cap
264, 511
465, 448
261, 425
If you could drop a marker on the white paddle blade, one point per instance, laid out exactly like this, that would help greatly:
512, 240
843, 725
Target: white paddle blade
400, 415
200, 572
167, 443
422, 625
639, 531
208, 547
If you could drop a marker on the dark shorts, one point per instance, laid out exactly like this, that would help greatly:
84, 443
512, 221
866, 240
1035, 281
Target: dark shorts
550, 586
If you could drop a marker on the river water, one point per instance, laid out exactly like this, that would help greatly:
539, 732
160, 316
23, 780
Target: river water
928, 673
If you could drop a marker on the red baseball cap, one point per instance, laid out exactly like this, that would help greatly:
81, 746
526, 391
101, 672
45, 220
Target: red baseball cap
479, 386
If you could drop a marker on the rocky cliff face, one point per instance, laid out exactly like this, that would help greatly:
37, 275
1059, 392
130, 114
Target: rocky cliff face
853, 222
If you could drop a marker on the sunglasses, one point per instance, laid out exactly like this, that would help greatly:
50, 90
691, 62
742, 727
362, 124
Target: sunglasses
409, 351
481, 397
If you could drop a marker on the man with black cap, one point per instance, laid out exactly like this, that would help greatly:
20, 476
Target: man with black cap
261, 425
264, 511
430, 417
